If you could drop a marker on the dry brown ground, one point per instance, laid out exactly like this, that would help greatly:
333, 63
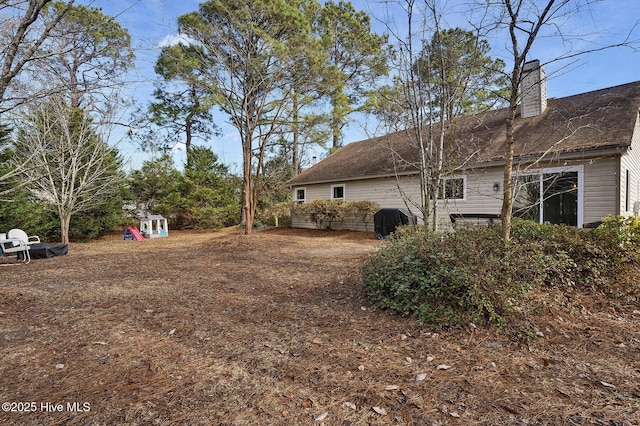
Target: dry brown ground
274, 328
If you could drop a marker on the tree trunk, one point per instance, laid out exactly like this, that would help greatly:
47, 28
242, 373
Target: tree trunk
507, 183
65, 220
507, 191
337, 114
189, 120
296, 130
75, 90
248, 209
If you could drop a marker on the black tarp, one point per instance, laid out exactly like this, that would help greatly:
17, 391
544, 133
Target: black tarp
385, 221
46, 250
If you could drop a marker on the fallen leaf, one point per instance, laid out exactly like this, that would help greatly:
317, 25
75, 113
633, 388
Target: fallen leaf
99, 343
350, 405
430, 358
607, 385
420, 377
361, 367
454, 414
380, 411
443, 367
392, 387
307, 403
322, 416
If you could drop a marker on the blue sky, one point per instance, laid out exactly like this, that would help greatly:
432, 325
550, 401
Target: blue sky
150, 22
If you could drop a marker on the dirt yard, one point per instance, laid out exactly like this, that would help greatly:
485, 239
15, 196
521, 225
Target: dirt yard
274, 329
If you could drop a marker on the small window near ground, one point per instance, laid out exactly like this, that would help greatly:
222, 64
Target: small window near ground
301, 195
337, 192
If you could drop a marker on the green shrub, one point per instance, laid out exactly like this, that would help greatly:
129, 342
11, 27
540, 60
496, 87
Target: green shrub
448, 280
214, 217
573, 257
323, 212
362, 210
280, 212
621, 231
326, 212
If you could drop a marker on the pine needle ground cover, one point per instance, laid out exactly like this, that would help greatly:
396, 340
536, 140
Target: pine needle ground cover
275, 329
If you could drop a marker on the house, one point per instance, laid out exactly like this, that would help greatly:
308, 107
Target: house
577, 160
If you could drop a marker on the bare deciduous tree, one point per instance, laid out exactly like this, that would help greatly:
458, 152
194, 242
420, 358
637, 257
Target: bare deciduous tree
85, 53
524, 21
72, 168
23, 30
440, 74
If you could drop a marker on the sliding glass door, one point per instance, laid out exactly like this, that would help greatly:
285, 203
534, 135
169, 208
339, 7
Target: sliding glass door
549, 196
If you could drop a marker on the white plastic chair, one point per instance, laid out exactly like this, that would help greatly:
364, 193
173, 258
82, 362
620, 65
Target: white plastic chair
19, 234
15, 246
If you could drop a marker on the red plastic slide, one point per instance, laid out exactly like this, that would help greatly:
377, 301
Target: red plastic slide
133, 234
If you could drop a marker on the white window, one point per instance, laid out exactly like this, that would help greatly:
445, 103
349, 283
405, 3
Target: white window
337, 192
451, 188
300, 195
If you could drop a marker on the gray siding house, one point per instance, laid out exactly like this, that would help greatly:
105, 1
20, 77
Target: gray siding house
577, 161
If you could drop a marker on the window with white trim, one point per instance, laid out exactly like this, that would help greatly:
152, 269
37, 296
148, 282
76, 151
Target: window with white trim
549, 196
300, 195
451, 188
337, 192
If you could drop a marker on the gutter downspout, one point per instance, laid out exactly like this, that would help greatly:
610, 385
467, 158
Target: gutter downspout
618, 184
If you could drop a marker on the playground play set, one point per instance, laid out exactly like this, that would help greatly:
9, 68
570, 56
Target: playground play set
152, 226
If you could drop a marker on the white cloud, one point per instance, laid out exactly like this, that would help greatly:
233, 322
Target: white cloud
173, 39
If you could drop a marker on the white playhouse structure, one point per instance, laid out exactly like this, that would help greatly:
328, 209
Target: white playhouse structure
153, 226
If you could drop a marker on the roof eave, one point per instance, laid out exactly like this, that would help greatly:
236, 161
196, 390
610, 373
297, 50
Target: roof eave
617, 149
350, 179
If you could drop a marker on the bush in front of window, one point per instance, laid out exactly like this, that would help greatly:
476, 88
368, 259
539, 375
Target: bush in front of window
449, 280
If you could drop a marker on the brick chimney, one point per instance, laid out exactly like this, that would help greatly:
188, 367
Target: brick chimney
533, 90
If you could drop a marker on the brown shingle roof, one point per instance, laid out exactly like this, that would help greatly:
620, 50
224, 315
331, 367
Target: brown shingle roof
598, 120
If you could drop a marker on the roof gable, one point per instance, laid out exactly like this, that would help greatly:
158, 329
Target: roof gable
598, 120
